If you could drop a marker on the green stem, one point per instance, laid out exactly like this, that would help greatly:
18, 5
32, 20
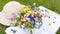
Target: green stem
30, 31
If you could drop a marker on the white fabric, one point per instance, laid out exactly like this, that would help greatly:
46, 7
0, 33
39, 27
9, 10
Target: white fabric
18, 30
45, 28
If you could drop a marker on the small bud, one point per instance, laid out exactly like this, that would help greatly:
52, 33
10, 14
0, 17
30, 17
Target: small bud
34, 4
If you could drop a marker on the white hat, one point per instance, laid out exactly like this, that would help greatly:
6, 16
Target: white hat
9, 11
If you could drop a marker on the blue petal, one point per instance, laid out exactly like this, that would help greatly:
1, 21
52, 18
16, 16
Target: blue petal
32, 21
14, 31
23, 27
38, 26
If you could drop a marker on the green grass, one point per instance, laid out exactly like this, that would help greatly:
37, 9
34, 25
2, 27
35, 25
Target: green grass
50, 4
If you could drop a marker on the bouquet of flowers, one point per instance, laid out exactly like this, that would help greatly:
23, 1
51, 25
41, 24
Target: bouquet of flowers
28, 17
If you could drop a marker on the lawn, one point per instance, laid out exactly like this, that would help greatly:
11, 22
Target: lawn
54, 5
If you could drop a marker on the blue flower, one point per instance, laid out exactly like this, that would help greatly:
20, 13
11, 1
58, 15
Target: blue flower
29, 16
22, 26
38, 25
40, 16
14, 31
32, 21
22, 14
